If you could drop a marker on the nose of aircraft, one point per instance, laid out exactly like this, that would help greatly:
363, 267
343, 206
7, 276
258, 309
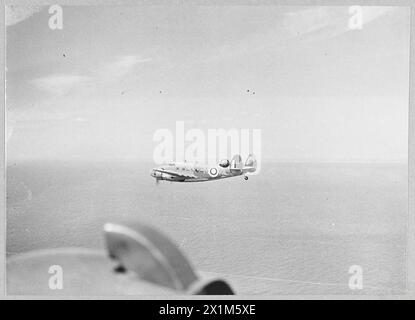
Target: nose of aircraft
155, 174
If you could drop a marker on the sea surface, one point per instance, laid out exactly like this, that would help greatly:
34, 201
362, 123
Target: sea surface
296, 228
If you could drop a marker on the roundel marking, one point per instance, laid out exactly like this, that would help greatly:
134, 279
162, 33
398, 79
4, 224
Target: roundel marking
213, 172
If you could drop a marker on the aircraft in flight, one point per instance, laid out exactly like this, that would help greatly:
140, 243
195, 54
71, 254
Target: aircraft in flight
188, 172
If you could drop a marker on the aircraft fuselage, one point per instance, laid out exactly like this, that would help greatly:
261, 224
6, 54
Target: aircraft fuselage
187, 173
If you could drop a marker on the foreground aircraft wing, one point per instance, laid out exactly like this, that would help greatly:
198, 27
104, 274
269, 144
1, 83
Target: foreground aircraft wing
138, 259
177, 173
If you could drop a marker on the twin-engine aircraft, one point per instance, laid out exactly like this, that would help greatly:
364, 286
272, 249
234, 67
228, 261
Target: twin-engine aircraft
187, 172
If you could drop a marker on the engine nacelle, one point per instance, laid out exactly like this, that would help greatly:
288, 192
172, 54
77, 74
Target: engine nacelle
162, 176
157, 175
166, 176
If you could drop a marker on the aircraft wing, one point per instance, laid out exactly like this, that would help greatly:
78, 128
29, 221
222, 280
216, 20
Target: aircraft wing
177, 173
159, 268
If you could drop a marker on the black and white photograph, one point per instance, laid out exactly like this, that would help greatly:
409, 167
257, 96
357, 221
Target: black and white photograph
203, 149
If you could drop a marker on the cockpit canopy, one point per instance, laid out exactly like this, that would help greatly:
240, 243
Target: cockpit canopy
224, 163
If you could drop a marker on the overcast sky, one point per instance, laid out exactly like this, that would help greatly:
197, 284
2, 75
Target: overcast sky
100, 87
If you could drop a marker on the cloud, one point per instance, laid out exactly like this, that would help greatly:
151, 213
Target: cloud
15, 14
129, 61
371, 13
59, 84
305, 21
324, 22
122, 66
79, 119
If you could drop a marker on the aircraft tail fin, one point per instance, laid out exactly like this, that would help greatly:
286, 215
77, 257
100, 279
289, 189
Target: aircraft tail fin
250, 164
236, 163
